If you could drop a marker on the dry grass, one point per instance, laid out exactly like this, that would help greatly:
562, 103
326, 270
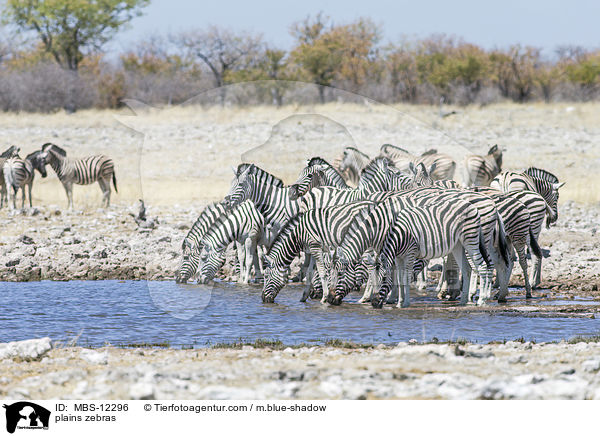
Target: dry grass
184, 154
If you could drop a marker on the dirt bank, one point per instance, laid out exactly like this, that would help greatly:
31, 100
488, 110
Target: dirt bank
512, 370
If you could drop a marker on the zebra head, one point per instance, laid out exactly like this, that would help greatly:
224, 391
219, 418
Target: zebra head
422, 176
37, 162
212, 260
241, 186
311, 177
11, 151
554, 204
188, 268
275, 278
496, 153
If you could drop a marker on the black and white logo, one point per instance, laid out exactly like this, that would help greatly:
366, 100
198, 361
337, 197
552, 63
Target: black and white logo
26, 415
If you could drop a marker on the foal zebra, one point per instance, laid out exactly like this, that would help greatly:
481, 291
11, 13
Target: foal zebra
19, 173
481, 170
82, 171
445, 165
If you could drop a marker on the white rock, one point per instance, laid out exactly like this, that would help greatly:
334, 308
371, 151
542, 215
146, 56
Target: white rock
591, 365
142, 391
94, 357
29, 349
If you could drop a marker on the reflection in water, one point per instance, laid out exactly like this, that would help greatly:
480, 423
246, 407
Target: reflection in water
148, 312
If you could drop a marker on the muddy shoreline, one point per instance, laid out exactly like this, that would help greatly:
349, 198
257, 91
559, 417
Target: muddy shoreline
510, 370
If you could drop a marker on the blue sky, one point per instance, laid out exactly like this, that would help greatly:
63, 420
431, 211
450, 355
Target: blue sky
499, 23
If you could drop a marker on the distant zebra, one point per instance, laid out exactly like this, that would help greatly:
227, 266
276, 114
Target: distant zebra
19, 173
481, 170
9, 152
352, 163
315, 230
426, 233
445, 165
191, 245
82, 171
244, 225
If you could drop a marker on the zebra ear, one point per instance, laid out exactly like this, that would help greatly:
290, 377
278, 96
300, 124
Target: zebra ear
557, 186
432, 168
493, 149
411, 167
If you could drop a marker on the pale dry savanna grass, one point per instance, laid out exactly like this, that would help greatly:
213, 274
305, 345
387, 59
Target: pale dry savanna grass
184, 155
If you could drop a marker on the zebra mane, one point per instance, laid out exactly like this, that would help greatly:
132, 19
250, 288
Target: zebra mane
10, 151
356, 150
285, 230
541, 174
271, 179
222, 218
54, 148
218, 208
429, 152
241, 168
317, 161
376, 162
33, 155
384, 149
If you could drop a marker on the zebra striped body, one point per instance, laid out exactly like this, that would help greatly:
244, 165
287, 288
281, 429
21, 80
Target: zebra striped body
427, 233
481, 170
352, 163
244, 225
445, 165
19, 173
81, 171
8, 153
315, 230
191, 245
536, 180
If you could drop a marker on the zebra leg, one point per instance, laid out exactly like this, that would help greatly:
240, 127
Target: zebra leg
523, 262
316, 252
69, 191
537, 272
422, 280
371, 284
404, 273
30, 186
465, 269
309, 279
105, 188
502, 277
241, 257
249, 251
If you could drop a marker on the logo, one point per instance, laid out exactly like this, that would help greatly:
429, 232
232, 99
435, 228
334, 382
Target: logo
26, 415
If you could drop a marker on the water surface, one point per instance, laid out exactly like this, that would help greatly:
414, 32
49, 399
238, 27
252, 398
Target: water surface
120, 312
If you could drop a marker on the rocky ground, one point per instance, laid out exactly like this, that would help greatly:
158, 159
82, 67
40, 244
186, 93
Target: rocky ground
47, 244
511, 370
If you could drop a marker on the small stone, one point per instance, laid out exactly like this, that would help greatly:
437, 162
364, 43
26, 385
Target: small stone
141, 391
94, 357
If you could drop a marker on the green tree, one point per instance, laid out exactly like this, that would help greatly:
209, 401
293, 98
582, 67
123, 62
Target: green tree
70, 28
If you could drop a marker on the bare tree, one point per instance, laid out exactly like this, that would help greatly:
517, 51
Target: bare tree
223, 51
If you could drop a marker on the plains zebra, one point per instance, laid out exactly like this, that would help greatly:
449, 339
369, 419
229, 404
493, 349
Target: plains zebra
426, 233
318, 172
481, 170
352, 163
313, 230
193, 240
19, 173
244, 225
82, 171
445, 165
9, 152
536, 180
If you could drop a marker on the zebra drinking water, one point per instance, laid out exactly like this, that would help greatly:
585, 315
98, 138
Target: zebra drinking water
82, 171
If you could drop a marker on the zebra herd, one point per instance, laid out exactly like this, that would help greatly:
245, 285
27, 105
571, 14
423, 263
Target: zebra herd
404, 211
17, 173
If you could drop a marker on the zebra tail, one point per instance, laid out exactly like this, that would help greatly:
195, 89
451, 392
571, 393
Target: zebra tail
114, 178
483, 249
502, 243
533, 244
